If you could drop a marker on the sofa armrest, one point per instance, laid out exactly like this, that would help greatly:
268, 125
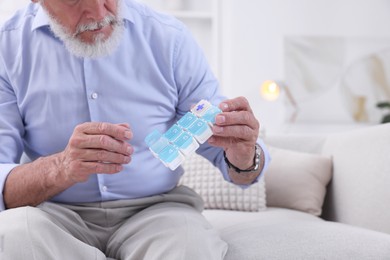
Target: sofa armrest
359, 192
297, 142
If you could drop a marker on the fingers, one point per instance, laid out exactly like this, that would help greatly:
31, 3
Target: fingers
110, 137
236, 104
101, 142
236, 131
97, 148
116, 131
98, 155
243, 118
237, 120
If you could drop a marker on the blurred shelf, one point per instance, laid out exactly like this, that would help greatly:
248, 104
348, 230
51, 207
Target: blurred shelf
202, 17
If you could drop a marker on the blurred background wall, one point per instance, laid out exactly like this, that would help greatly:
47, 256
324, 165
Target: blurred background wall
317, 48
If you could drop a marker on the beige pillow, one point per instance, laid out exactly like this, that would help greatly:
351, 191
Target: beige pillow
297, 180
217, 193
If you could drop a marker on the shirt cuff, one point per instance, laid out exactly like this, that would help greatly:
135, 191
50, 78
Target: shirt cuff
267, 159
5, 169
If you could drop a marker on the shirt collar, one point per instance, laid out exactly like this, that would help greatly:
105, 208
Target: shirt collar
41, 18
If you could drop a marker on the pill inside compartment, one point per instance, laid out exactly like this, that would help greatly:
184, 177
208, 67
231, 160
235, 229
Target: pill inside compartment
163, 149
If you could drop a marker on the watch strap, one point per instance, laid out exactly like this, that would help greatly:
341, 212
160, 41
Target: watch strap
253, 168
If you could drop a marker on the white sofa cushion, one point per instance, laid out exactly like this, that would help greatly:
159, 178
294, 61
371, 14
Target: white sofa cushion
359, 192
287, 234
217, 193
297, 180
221, 219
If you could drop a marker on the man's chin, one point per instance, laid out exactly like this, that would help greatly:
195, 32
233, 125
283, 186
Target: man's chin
100, 47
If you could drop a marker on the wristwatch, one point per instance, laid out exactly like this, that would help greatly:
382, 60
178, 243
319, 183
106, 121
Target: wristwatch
256, 161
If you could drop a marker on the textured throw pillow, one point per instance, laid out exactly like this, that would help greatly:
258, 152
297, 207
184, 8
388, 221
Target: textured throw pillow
297, 180
217, 193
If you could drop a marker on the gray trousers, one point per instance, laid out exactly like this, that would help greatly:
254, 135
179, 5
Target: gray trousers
168, 226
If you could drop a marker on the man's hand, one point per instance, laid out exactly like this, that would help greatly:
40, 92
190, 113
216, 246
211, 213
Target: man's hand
95, 148
236, 131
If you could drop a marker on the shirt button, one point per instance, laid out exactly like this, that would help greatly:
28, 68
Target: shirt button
104, 188
94, 95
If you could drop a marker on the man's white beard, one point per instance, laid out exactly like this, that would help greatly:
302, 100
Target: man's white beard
100, 47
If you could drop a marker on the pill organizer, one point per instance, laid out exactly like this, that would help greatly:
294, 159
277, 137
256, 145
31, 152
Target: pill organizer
185, 136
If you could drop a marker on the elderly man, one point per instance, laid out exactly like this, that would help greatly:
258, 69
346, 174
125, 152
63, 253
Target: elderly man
82, 82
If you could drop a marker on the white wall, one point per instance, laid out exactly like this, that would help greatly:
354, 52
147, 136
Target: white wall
8, 7
254, 30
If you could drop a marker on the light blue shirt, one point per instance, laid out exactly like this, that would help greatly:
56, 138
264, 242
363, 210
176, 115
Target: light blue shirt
150, 81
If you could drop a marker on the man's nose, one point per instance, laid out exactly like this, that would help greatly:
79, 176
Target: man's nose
95, 9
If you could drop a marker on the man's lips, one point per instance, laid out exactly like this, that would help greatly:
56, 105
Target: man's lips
97, 30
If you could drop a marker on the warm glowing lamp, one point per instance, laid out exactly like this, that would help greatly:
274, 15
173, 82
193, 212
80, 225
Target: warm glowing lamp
271, 90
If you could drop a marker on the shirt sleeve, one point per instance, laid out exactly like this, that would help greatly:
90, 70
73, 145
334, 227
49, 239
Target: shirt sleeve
11, 129
194, 77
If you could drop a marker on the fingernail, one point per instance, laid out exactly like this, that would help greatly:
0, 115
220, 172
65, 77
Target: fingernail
128, 134
218, 129
224, 106
220, 119
129, 150
126, 159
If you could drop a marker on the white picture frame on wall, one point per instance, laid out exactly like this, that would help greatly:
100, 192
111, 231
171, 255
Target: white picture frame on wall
337, 79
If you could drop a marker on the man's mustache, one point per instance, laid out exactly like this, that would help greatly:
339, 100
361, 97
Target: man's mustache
108, 20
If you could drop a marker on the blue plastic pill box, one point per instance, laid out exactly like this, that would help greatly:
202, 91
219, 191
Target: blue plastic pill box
184, 137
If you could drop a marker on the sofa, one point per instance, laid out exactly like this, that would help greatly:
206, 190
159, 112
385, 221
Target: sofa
322, 197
